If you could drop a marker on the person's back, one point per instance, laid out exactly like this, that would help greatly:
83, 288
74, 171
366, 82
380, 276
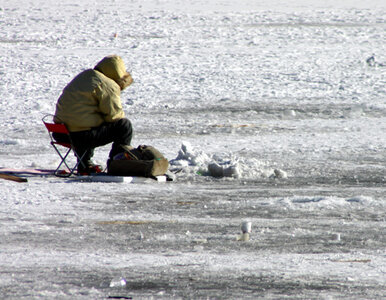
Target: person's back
83, 103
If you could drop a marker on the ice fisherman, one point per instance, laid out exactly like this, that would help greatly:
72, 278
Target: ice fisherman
90, 106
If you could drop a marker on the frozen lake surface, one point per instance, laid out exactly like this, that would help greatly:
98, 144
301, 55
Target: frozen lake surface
268, 113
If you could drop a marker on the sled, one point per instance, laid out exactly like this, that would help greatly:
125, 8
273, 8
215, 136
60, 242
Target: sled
104, 177
98, 177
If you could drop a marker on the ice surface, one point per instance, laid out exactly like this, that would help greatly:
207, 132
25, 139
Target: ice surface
269, 111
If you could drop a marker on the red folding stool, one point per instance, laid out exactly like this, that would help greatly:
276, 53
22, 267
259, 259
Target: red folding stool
64, 148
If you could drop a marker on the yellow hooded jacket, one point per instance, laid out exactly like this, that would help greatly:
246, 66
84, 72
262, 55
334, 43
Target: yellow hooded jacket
93, 97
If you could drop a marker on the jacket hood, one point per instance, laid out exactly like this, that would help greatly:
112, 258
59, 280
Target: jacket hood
113, 67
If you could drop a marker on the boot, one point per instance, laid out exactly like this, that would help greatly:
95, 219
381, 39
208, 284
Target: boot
88, 168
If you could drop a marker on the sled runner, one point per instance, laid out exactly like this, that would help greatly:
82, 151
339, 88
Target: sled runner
26, 172
12, 177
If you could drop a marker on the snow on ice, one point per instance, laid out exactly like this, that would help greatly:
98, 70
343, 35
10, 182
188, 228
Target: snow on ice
270, 112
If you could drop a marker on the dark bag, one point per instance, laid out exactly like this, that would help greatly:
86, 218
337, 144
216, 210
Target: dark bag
143, 161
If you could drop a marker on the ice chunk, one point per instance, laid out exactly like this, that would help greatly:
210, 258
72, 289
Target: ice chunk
187, 156
118, 282
215, 170
277, 173
246, 227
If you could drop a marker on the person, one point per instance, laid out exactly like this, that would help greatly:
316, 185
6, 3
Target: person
90, 106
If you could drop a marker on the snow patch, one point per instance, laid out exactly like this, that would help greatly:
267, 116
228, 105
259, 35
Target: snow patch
190, 160
317, 202
11, 142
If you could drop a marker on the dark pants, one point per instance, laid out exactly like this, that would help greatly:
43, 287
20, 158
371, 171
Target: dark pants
119, 133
